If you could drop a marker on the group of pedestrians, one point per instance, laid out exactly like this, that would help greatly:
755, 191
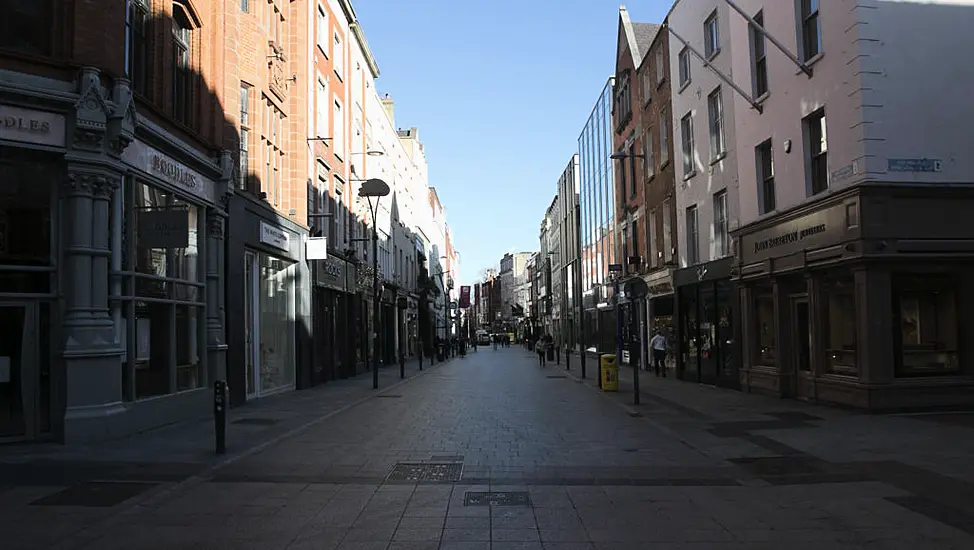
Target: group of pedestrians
502, 340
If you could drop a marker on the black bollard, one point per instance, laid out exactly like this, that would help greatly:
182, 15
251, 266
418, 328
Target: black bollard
220, 415
421, 359
402, 365
568, 358
557, 355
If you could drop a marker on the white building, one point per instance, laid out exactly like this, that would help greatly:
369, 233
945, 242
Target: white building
704, 106
855, 178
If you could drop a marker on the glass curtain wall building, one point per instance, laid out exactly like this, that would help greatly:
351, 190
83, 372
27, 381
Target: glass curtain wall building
597, 214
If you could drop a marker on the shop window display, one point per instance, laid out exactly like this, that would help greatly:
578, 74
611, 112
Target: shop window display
158, 292
925, 325
840, 355
765, 351
276, 323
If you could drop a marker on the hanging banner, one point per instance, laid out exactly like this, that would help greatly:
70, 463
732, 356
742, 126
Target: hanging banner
464, 297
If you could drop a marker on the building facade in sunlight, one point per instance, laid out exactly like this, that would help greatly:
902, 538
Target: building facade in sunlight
566, 262
597, 191
114, 181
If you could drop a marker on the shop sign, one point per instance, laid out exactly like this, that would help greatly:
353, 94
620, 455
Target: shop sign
29, 126
331, 273
153, 162
810, 231
163, 229
274, 236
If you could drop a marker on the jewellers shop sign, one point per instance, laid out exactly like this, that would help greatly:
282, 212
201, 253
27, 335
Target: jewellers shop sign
153, 162
788, 238
814, 230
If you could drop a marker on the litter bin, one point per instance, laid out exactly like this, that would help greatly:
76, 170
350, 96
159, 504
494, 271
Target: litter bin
550, 352
609, 370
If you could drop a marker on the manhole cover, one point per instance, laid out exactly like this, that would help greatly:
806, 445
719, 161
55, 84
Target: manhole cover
506, 498
426, 471
777, 465
389, 396
556, 376
256, 421
95, 494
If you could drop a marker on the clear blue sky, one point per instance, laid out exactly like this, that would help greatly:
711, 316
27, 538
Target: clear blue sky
499, 90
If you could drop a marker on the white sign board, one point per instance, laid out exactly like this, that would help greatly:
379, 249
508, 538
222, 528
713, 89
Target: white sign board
316, 248
30, 126
274, 236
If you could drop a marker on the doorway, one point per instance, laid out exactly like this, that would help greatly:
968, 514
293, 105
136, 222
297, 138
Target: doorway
251, 320
25, 381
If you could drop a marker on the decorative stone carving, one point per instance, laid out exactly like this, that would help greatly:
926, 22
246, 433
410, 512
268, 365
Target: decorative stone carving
91, 112
91, 184
121, 121
214, 226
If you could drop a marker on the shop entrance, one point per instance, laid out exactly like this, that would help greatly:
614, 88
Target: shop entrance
25, 381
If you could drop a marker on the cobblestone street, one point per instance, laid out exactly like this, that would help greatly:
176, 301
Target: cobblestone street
492, 452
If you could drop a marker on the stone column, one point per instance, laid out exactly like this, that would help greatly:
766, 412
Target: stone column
874, 318
101, 127
216, 344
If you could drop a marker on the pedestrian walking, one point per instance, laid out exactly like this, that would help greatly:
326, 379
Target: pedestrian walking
658, 346
539, 346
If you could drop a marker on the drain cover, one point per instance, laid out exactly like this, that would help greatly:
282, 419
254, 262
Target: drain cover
256, 421
426, 471
506, 498
101, 494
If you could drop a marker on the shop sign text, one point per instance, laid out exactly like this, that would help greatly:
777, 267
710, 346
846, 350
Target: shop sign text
29, 126
274, 236
788, 238
173, 173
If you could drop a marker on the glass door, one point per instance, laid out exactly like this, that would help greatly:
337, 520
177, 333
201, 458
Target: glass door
20, 376
250, 322
802, 336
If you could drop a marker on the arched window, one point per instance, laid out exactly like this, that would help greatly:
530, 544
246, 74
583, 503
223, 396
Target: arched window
183, 80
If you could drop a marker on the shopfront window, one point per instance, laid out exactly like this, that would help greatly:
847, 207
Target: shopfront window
840, 356
765, 351
690, 346
925, 321
160, 296
276, 302
26, 207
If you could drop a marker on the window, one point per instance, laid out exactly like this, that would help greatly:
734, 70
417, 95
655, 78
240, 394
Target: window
811, 33
136, 53
182, 70
686, 129
648, 160
321, 105
339, 62
764, 159
840, 354
622, 107
666, 212
925, 317
759, 60
622, 177
721, 238
654, 253
322, 30
660, 66
764, 351
647, 87
711, 36
635, 238
715, 109
818, 148
163, 327
340, 213
245, 6
633, 178
339, 137
684, 67
664, 138
27, 26
693, 237
244, 136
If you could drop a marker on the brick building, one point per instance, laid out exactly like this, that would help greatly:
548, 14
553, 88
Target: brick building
114, 181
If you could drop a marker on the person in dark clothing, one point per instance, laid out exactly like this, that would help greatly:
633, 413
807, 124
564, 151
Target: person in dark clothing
539, 347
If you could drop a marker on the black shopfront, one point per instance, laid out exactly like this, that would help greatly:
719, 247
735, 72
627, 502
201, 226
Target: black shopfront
706, 334
333, 321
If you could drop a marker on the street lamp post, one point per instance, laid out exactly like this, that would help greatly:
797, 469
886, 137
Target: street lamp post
374, 188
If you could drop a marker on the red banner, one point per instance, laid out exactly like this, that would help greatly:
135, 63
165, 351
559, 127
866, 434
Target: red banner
464, 297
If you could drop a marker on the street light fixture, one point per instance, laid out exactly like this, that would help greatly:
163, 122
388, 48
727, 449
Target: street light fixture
374, 188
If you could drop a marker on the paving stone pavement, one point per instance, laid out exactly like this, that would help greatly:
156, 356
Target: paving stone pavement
513, 456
